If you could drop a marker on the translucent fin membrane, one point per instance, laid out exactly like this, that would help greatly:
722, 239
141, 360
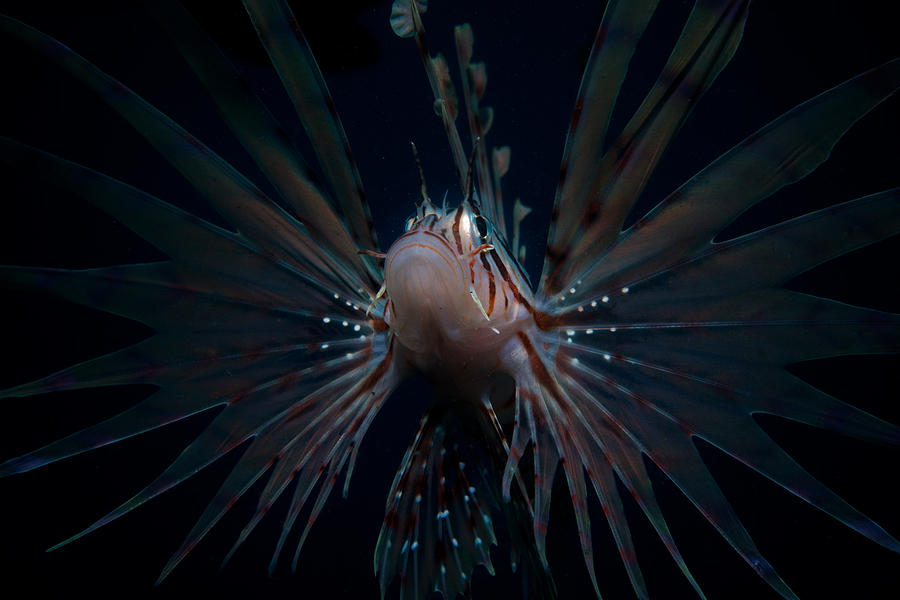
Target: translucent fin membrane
261, 136
437, 525
683, 225
290, 55
401, 17
617, 37
439, 522
610, 186
258, 219
225, 262
311, 441
487, 174
445, 103
655, 335
267, 320
299, 370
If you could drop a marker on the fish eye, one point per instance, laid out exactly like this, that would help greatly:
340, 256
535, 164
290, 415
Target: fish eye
483, 227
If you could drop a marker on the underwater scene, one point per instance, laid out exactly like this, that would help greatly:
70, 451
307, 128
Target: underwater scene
535, 54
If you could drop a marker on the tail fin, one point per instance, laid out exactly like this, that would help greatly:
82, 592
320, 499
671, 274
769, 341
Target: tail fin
439, 517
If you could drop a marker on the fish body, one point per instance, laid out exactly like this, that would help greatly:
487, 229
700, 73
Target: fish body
499, 346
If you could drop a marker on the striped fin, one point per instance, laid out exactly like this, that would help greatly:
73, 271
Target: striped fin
541, 419
265, 373
697, 348
224, 339
444, 98
474, 80
617, 37
263, 138
786, 249
311, 440
261, 379
637, 418
245, 206
438, 521
290, 55
589, 423
684, 224
226, 262
579, 235
671, 336
266, 322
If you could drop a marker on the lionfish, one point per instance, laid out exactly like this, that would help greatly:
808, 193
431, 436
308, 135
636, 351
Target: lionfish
655, 332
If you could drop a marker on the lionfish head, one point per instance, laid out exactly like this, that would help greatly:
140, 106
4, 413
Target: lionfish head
445, 278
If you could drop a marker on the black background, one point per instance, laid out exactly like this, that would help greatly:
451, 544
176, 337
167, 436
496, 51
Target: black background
791, 51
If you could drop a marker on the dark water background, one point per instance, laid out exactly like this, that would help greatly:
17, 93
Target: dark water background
791, 51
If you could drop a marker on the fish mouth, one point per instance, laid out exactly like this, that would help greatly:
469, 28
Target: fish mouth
428, 249
421, 268
427, 287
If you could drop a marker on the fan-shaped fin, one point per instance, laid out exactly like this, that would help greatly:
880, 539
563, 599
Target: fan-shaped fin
702, 355
207, 258
568, 430
261, 136
617, 37
327, 417
438, 525
290, 55
782, 152
580, 235
774, 255
250, 409
700, 358
717, 413
264, 321
644, 423
264, 223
